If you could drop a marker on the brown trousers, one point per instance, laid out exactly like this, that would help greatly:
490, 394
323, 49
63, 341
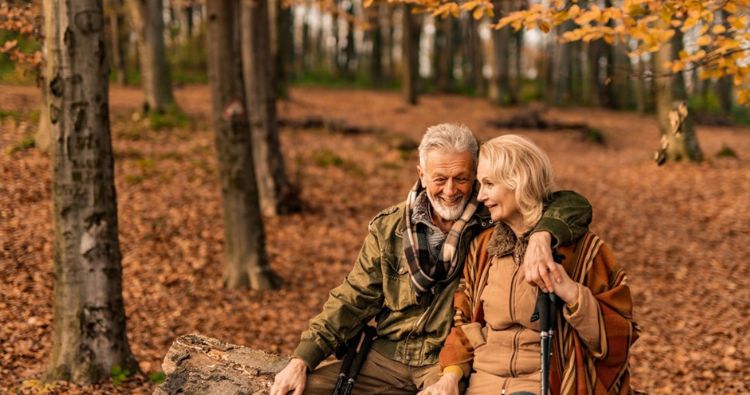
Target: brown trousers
379, 375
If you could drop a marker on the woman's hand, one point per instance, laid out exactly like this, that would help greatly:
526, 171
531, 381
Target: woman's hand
539, 267
566, 289
447, 385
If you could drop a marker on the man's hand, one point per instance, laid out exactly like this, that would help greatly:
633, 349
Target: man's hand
291, 378
540, 268
447, 385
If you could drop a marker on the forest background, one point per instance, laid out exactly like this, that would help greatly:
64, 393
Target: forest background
250, 145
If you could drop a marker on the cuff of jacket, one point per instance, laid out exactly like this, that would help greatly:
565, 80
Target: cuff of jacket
560, 231
310, 353
464, 369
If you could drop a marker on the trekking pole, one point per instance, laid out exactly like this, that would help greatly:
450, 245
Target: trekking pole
544, 303
546, 308
346, 363
369, 336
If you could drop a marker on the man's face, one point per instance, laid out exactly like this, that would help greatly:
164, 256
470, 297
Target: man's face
448, 178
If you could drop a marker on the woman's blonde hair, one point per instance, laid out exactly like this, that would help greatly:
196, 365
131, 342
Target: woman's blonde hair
522, 167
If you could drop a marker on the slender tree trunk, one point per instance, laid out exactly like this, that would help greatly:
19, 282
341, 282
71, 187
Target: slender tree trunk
376, 35
474, 57
410, 55
640, 86
116, 23
244, 239
146, 16
389, 44
349, 52
679, 140
276, 193
185, 17
517, 81
282, 46
303, 60
89, 335
499, 60
446, 54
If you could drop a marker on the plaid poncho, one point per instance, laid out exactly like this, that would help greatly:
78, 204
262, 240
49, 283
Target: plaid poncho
575, 370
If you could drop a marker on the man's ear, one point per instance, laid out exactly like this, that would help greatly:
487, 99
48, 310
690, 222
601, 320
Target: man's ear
420, 173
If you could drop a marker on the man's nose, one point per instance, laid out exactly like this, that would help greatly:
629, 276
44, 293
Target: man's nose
450, 188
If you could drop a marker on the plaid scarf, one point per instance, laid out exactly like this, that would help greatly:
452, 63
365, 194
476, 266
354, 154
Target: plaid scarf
425, 274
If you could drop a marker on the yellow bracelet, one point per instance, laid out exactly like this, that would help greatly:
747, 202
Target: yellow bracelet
454, 369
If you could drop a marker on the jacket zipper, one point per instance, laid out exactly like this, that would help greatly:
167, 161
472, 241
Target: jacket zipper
514, 353
505, 387
512, 289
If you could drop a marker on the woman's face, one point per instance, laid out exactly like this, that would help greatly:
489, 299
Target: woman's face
500, 200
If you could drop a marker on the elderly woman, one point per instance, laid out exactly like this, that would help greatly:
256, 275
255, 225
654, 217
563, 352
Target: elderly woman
494, 341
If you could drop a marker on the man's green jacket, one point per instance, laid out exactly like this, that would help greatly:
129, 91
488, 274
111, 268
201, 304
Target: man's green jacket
411, 331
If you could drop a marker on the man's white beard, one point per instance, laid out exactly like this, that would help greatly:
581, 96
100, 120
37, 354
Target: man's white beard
451, 213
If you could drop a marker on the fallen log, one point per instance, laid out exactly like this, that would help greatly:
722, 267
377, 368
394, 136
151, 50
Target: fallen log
197, 364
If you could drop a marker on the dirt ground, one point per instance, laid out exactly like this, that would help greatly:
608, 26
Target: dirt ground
681, 231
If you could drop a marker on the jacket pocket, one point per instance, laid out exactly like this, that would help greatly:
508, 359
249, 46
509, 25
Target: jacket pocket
397, 287
475, 334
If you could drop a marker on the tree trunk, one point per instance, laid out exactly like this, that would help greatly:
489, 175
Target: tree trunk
276, 193
244, 239
376, 35
148, 23
89, 336
185, 16
349, 51
499, 60
679, 140
474, 57
445, 53
410, 55
117, 23
282, 45
640, 86
560, 69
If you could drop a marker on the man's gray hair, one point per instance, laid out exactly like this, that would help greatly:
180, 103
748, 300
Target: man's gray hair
449, 137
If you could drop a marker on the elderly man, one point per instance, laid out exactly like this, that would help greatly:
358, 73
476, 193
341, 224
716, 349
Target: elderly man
408, 270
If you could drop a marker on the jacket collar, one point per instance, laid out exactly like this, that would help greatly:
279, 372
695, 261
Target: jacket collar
504, 242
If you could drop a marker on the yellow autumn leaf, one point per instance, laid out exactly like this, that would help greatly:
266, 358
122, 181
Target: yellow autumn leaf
718, 29
544, 26
703, 41
478, 13
367, 3
677, 66
730, 7
585, 18
469, 5
574, 10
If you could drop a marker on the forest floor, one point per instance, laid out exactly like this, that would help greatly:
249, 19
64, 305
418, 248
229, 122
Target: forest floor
681, 231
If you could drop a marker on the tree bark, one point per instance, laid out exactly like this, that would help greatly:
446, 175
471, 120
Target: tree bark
244, 239
376, 37
148, 23
443, 56
116, 23
198, 364
89, 335
277, 196
410, 55
474, 58
350, 52
282, 45
679, 140
499, 60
